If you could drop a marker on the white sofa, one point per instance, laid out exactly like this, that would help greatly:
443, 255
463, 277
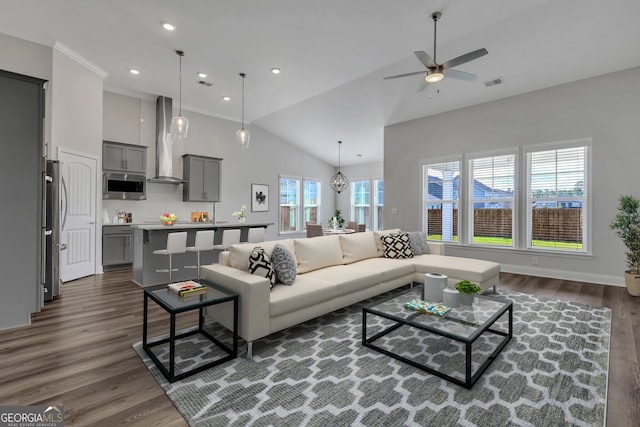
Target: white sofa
332, 272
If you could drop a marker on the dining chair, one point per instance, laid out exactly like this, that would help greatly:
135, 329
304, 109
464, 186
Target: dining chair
353, 225
314, 230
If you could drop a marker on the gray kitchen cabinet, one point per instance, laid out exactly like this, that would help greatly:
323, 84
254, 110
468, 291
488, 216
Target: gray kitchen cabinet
117, 245
117, 156
202, 178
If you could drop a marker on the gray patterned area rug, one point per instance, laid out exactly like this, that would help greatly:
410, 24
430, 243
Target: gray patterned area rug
552, 373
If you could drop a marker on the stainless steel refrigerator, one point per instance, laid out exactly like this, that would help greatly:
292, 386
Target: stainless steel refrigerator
51, 245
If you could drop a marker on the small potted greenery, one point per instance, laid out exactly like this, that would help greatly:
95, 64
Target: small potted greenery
627, 226
338, 216
467, 290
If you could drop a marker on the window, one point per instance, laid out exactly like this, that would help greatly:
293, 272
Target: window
289, 203
378, 203
491, 200
441, 193
361, 202
557, 199
312, 196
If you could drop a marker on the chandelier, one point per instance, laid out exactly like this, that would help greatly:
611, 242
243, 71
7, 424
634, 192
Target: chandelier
339, 181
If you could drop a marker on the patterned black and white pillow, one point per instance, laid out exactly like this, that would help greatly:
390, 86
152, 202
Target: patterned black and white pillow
418, 241
284, 264
397, 246
260, 265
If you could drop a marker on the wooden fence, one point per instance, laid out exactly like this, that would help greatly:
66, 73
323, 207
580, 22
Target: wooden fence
556, 224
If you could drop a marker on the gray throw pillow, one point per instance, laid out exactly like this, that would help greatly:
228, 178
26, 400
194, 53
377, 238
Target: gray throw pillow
418, 241
397, 246
260, 265
284, 264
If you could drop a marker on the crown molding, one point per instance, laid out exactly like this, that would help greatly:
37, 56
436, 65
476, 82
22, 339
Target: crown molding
67, 51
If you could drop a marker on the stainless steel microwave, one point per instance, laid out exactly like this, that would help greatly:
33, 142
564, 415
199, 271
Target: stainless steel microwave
124, 186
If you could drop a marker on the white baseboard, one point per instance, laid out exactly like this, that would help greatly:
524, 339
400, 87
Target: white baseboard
601, 279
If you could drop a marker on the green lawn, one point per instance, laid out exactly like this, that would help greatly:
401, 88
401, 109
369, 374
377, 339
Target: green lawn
506, 241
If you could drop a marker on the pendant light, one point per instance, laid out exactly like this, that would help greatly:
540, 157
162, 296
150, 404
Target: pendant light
179, 123
243, 135
339, 182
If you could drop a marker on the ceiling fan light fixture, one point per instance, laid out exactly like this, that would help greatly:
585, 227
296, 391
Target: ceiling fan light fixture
179, 123
434, 77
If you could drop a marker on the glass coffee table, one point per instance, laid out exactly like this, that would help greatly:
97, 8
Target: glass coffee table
173, 304
458, 346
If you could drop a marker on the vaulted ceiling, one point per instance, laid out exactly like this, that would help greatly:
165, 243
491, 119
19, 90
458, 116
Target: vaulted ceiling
333, 55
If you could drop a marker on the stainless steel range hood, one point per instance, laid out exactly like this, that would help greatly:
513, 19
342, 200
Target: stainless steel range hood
165, 144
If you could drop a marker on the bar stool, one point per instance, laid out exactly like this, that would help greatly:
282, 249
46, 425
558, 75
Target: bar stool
176, 244
204, 242
229, 237
256, 235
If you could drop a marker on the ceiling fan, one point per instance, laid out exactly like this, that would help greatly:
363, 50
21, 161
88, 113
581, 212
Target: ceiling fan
436, 72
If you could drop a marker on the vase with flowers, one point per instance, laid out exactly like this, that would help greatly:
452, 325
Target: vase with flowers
240, 214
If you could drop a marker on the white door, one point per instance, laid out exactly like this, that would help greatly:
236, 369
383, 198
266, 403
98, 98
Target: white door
77, 214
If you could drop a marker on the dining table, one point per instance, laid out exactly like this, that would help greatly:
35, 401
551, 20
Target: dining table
332, 231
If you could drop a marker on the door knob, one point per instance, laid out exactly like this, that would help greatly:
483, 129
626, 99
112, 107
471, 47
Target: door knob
92, 222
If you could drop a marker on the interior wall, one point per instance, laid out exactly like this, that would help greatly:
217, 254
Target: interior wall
266, 158
356, 173
604, 108
76, 110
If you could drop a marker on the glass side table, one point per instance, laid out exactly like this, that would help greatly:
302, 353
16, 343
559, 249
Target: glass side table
174, 304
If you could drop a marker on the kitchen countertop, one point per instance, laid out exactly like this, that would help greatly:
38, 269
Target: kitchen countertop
186, 225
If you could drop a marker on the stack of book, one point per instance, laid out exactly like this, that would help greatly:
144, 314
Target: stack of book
188, 288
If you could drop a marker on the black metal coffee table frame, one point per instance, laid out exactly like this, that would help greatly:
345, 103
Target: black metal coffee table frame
174, 305
470, 377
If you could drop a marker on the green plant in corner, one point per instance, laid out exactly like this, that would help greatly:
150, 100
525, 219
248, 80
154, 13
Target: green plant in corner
338, 215
467, 287
627, 226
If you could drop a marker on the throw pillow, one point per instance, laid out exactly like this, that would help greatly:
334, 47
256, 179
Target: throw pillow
260, 265
397, 246
418, 241
377, 235
284, 265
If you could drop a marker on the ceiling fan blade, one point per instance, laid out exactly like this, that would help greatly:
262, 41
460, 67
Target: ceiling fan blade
425, 59
460, 75
404, 75
462, 59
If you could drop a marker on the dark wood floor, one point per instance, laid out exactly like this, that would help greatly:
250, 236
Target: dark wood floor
78, 353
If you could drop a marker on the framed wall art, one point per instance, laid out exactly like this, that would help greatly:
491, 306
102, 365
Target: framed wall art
259, 198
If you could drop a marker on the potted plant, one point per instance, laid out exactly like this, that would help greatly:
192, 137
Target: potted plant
627, 226
467, 290
338, 216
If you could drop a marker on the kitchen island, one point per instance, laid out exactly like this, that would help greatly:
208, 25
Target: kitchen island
150, 237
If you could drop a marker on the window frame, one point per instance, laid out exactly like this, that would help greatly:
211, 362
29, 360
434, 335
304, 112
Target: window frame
424, 165
304, 205
470, 200
297, 205
586, 217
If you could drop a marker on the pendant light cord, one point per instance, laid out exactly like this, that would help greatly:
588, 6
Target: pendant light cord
243, 75
180, 54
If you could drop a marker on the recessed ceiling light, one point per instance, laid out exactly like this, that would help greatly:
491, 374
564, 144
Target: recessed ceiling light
226, 98
275, 70
202, 75
134, 71
168, 26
